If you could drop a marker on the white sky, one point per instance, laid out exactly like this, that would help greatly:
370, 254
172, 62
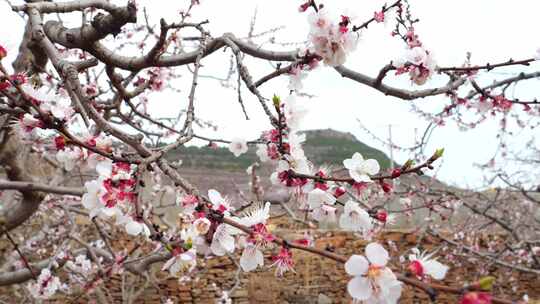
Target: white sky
493, 30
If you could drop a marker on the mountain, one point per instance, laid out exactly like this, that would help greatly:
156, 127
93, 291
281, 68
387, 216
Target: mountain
321, 147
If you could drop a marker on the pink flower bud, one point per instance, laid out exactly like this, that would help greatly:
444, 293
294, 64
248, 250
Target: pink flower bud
339, 191
476, 298
387, 188
382, 215
379, 16
304, 7
416, 268
3, 52
60, 142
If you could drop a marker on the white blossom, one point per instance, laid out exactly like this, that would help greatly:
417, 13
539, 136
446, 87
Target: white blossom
238, 146
262, 153
251, 258
69, 157
360, 169
258, 215
294, 112
223, 240
355, 218
218, 202
295, 78
422, 264
135, 228
59, 107
372, 281
183, 262
325, 215
318, 197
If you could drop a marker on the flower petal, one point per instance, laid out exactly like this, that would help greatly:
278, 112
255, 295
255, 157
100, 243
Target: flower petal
227, 241
357, 157
251, 258
359, 177
215, 197
394, 293
435, 269
133, 227
216, 248
364, 220
376, 254
349, 206
371, 166
345, 222
349, 163
356, 265
104, 167
359, 288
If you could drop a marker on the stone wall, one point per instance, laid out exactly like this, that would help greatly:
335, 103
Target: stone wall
319, 280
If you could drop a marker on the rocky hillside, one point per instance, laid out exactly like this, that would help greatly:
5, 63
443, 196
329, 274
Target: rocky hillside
321, 147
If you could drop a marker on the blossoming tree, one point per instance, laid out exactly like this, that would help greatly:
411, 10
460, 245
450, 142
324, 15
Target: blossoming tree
73, 105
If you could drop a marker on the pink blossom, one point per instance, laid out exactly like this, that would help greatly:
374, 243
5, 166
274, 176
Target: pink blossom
283, 261
379, 16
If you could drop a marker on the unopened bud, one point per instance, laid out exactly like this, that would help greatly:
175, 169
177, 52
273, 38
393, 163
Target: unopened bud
382, 215
387, 188
396, 173
486, 283
438, 153
304, 6
408, 164
3, 52
339, 191
276, 100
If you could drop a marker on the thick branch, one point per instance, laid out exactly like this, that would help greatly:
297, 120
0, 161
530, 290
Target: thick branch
101, 26
400, 93
29, 186
18, 212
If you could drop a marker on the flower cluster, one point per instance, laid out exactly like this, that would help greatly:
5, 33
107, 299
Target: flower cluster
355, 218
205, 225
332, 41
47, 102
112, 194
50, 101
284, 146
27, 126
81, 264
492, 103
418, 61
158, 78
298, 71
70, 157
46, 286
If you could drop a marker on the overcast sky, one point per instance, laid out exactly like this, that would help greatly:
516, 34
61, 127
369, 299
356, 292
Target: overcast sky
493, 30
